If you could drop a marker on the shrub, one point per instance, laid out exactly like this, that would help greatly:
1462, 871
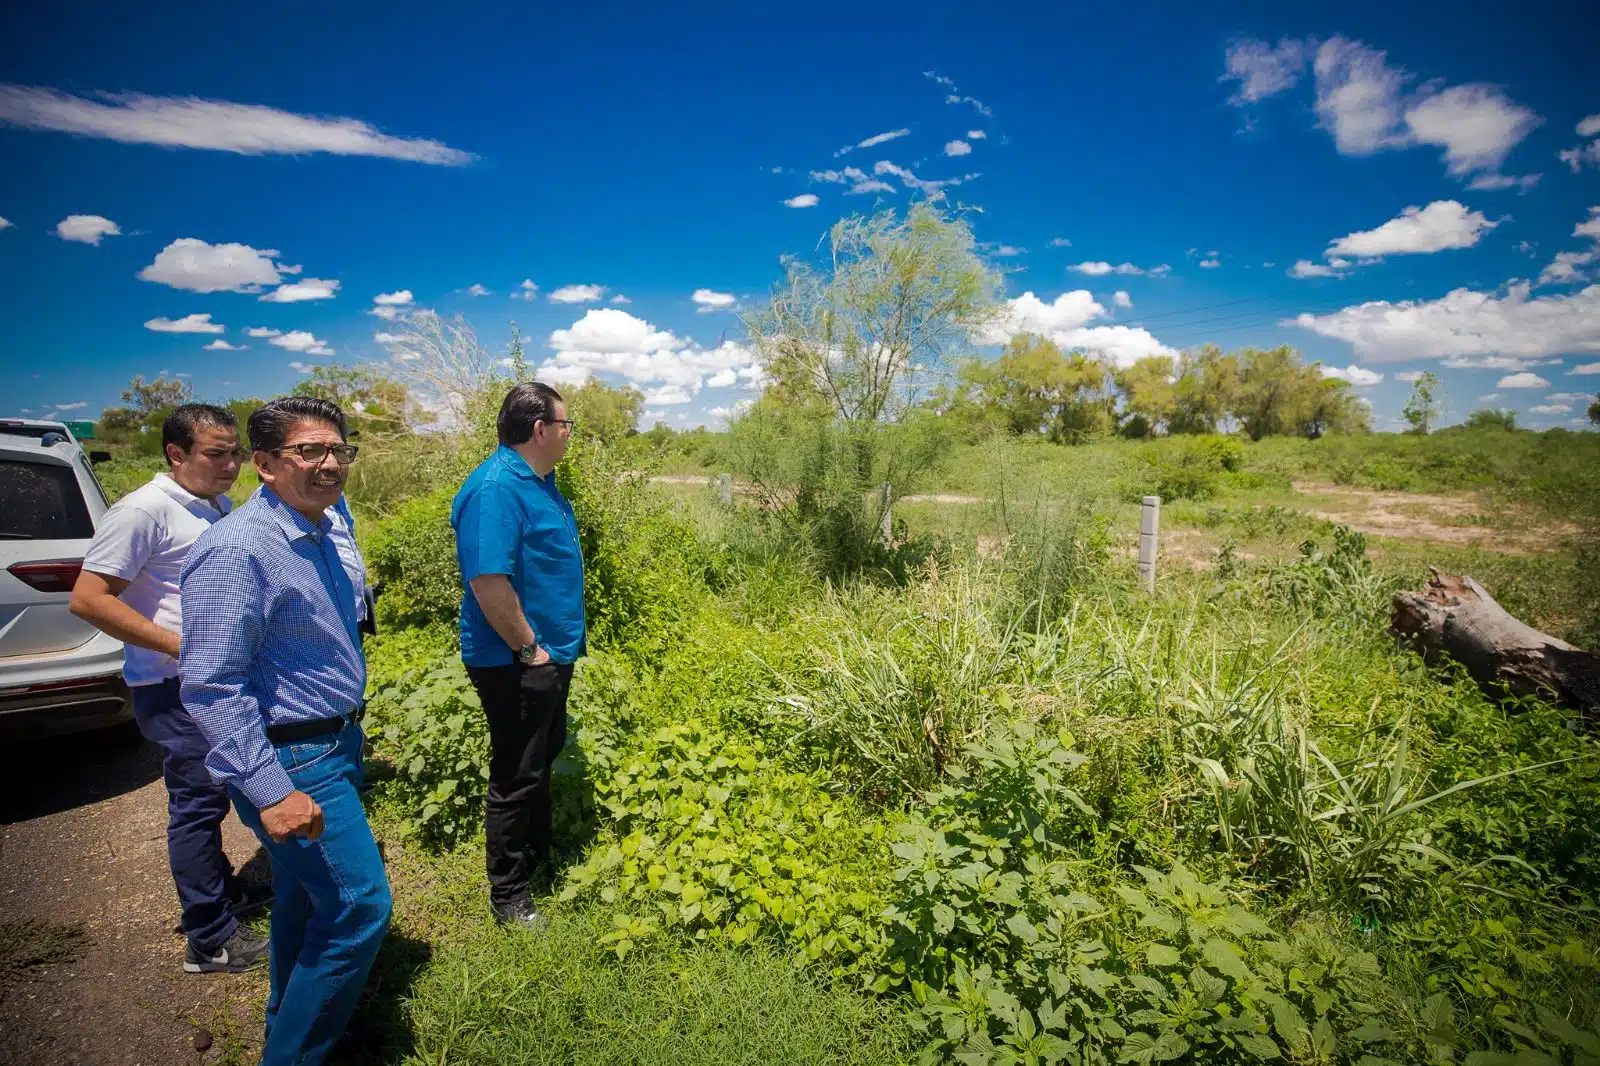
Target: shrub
413, 556
1186, 468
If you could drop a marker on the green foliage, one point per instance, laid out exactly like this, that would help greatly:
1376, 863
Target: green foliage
1492, 418
1422, 407
603, 412
565, 997
413, 556
708, 839
1186, 468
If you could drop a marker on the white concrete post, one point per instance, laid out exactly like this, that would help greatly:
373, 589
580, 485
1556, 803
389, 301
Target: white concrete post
725, 489
886, 525
1149, 524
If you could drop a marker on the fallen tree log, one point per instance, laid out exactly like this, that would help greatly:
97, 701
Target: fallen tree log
1456, 616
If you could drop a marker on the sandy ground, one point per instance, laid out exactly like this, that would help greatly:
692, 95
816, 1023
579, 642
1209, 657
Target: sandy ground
83, 839
1419, 516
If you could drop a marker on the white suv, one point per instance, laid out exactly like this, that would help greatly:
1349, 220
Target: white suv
58, 674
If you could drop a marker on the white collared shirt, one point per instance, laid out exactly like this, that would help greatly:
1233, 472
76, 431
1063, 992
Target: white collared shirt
143, 539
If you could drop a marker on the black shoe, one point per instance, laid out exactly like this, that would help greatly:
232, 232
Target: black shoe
248, 899
242, 952
519, 912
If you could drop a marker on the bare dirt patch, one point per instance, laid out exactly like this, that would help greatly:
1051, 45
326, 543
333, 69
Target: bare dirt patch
1421, 516
83, 856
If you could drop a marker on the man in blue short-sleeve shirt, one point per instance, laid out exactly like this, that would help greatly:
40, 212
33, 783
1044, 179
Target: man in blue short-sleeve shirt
522, 628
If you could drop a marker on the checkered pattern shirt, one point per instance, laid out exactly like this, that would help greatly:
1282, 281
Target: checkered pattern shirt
269, 636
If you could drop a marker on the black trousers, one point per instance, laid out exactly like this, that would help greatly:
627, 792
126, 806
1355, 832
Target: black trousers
527, 711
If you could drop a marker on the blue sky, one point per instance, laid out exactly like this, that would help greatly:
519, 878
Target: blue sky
1239, 174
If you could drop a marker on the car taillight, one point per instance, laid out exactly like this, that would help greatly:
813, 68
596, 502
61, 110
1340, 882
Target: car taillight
56, 576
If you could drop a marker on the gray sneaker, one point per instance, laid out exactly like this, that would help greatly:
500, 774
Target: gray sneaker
242, 952
519, 912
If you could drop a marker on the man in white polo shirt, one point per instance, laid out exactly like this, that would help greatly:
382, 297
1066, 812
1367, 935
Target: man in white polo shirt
129, 589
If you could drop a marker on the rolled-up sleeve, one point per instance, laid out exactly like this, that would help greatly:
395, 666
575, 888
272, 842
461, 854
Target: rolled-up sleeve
224, 623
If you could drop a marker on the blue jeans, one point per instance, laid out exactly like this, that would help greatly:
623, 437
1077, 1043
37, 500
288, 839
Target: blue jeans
332, 907
196, 806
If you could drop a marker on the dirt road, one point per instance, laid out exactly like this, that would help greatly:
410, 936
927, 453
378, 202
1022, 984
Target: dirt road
83, 840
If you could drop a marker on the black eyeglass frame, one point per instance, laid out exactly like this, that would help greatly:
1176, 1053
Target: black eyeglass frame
322, 452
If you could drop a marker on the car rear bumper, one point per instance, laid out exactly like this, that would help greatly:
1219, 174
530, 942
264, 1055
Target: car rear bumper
47, 695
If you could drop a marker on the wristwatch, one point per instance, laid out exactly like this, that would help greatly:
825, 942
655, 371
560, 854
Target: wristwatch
528, 652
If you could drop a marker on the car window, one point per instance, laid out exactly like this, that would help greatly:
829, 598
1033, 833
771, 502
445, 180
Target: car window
88, 470
41, 501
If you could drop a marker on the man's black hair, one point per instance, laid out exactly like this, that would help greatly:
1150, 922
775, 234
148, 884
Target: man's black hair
180, 425
271, 424
525, 404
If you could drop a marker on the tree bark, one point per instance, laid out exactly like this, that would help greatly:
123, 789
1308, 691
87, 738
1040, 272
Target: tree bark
1455, 616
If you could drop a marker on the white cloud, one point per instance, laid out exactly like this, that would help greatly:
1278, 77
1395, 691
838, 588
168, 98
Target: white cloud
86, 229
1003, 251
577, 294
220, 345
805, 199
1065, 321
401, 298
620, 299
955, 148
72, 406
667, 395
263, 331
911, 181
1305, 268
1120, 298
1060, 242
722, 379
1589, 126
1465, 323
300, 291
6, 223
1551, 409
527, 290
873, 141
289, 269
1581, 156
1442, 225
1408, 375
299, 367
1359, 99
1100, 268
1564, 269
381, 337
1586, 368
978, 105
976, 135
552, 373
1504, 181
477, 289
1524, 380
300, 340
1358, 96
1210, 264
196, 266
1262, 70
606, 340
1488, 362
857, 179
187, 122
196, 323
1355, 375
709, 300
1589, 228
1566, 397
388, 314
1476, 125
1489, 397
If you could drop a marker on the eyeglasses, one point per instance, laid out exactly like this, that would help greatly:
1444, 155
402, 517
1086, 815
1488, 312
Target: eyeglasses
569, 423
314, 453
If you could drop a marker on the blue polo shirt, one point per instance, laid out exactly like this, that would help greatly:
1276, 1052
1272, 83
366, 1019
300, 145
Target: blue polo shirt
509, 520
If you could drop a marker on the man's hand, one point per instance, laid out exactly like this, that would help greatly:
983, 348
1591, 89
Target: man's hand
296, 815
540, 656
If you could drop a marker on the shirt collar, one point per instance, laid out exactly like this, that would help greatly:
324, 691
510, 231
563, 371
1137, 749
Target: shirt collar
169, 485
516, 463
293, 522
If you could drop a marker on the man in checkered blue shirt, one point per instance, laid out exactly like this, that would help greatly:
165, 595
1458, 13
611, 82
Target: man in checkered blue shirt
273, 673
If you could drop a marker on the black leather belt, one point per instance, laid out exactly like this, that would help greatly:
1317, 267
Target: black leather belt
290, 732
